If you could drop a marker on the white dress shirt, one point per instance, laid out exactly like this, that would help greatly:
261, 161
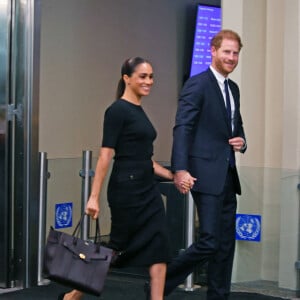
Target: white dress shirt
220, 78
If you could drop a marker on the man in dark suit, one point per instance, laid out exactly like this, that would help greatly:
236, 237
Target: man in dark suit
207, 133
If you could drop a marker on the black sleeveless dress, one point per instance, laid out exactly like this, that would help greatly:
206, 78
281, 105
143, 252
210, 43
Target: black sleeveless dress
138, 224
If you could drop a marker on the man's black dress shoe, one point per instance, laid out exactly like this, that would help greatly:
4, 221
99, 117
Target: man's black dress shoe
147, 290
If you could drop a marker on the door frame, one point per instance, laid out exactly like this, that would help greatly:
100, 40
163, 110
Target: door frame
21, 142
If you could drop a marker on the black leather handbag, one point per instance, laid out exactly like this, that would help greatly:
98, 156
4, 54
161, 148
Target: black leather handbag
79, 264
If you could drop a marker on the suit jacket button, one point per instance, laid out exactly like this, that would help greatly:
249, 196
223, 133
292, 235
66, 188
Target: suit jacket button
131, 176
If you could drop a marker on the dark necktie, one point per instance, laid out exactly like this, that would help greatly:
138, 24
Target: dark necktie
228, 108
228, 105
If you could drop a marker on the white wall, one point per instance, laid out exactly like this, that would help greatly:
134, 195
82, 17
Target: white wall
269, 80
83, 46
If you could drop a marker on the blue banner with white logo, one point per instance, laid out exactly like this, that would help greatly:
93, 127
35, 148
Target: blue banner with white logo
248, 227
63, 215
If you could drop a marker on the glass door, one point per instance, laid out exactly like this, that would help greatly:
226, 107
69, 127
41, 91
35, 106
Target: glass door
5, 16
19, 58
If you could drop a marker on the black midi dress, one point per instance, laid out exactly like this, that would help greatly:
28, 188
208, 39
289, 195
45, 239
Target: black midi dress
138, 224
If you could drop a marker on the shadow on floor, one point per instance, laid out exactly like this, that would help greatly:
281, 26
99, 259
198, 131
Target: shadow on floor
120, 288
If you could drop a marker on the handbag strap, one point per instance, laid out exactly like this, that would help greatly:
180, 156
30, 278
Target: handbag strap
97, 239
77, 229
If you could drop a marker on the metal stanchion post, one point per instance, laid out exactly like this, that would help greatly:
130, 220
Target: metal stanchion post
190, 233
86, 173
44, 175
297, 263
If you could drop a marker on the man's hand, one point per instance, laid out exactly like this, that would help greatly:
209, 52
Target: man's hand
237, 143
184, 181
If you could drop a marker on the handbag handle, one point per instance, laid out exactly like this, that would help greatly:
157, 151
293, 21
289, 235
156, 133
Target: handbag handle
78, 229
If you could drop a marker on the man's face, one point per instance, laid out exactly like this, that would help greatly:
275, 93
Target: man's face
226, 58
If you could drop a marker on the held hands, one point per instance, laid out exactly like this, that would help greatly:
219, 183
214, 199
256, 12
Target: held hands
184, 181
92, 208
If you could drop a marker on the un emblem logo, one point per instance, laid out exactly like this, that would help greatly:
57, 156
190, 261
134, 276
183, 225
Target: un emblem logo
63, 215
248, 227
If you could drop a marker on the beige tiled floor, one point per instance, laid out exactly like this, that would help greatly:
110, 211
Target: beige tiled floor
266, 288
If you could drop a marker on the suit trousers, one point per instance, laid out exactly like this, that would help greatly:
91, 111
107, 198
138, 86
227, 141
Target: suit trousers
215, 244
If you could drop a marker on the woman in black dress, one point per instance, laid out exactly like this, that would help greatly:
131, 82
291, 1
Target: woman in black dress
138, 229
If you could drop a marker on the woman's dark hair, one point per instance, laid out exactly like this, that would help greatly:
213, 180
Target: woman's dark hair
128, 68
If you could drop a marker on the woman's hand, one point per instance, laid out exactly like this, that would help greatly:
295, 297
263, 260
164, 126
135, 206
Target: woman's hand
92, 208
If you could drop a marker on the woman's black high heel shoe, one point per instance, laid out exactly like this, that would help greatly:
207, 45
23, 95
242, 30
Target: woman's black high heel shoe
147, 290
61, 296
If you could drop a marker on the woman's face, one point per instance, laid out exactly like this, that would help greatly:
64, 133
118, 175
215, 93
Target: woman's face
141, 80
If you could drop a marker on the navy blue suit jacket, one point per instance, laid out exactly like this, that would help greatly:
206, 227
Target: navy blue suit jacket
202, 131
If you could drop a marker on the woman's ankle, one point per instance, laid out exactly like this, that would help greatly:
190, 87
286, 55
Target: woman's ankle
73, 295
